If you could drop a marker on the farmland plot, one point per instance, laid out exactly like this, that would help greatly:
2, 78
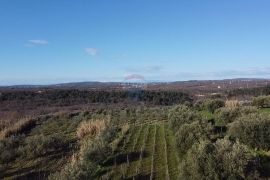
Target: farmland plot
149, 152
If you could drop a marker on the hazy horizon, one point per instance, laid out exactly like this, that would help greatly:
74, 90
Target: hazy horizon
51, 42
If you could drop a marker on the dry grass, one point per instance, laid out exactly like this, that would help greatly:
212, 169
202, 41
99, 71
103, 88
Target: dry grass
91, 128
74, 159
19, 127
8, 118
124, 129
232, 103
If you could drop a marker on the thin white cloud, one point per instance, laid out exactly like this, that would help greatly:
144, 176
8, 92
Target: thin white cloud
254, 72
38, 42
145, 69
154, 68
91, 51
134, 77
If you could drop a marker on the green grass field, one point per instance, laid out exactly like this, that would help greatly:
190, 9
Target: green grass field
265, 110
148, 151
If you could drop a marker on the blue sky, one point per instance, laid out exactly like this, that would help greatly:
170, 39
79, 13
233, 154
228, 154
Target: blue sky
54, 41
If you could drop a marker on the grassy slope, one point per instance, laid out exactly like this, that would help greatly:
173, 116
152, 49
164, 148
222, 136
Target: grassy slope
159, 156
265, 110
147, 158
139, 137
28, 167
173, 160
134, 152
142, 137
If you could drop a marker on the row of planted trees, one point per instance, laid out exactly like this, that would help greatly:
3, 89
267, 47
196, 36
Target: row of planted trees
233, 144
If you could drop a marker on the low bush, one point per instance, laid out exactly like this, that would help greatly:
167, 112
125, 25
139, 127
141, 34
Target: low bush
20, 127
74, 171
232, 103
116, 141
110, 133
91, 128
261, 101
94, 148
84, 164
214, 104
8, 149
40, 145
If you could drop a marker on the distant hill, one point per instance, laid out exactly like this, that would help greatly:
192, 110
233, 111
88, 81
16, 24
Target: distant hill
197, 85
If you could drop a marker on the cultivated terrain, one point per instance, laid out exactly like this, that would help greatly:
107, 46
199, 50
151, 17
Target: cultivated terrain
181, 130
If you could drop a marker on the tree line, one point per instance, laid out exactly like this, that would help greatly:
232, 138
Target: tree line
71, 97
259, 91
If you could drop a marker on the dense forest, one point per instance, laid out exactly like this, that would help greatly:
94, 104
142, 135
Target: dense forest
67, 97
259, 91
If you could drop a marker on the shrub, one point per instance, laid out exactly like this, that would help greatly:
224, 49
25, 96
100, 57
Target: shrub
8, 149
199, 105
247, 110
110, 133
261, 101
84, 164
90, 128
20, 127
40, 145
75, 170
232, 103
226, 115
212, 105
115, 143
252, 130
94, 148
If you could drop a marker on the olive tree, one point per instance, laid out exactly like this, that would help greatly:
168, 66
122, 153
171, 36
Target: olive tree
180, 115
221, 160
252, 130
189, 134
226, 115
261, 101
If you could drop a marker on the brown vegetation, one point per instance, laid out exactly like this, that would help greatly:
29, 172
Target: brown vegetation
18, 128
90, 128
232, 103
